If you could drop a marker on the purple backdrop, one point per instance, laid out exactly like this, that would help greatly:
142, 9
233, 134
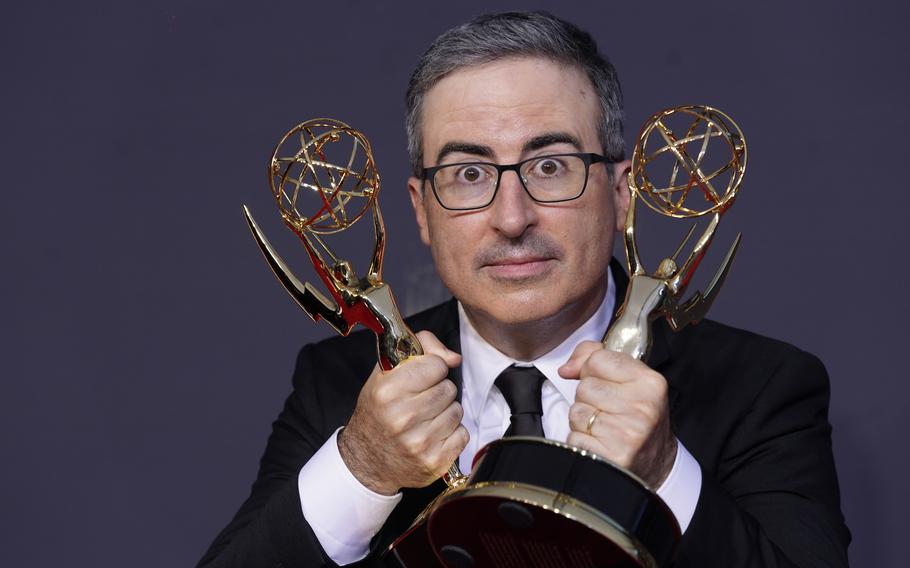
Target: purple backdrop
146, 348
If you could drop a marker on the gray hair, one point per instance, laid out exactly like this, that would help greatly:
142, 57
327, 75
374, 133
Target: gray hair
516, 34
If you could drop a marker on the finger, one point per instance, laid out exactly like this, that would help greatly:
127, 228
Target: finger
579, 415
589, 443
432, 345
616, 367
610, 451
572, 368
597, 392
446, 422
621, 428
417, 374
452, 447
432, 402
605, 424
642, 400
425, 438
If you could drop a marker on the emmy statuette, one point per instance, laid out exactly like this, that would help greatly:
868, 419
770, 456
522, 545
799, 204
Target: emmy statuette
301, 170
312, 163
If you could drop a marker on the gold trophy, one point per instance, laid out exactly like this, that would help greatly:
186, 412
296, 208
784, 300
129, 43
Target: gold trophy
302, 169
326, 163
537, 502
650, 296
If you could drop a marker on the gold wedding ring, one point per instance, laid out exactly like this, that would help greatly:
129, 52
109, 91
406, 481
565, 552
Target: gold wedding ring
591, 421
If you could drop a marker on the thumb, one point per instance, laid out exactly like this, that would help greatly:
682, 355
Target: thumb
571, 369
432, 345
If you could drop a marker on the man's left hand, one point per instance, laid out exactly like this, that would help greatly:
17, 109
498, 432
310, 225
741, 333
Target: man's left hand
628, 400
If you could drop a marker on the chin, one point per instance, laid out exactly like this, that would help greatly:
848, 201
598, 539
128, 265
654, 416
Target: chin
521, 307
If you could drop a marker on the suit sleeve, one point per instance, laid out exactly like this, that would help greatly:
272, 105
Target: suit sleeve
269, 530
773, 499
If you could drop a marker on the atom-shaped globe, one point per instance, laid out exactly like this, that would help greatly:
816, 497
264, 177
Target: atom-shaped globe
701, 152
325, 168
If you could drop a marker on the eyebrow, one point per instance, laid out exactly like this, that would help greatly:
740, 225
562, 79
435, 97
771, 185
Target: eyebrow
535, 143
464, 148
549, 139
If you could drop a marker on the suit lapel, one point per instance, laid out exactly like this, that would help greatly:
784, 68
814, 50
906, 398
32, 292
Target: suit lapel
450, 335
622, 286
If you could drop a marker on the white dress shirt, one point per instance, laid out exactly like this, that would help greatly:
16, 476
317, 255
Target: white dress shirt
345, 515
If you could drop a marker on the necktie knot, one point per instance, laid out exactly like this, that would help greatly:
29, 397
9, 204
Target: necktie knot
521, 387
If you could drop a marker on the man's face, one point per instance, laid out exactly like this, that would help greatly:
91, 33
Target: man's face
517, 260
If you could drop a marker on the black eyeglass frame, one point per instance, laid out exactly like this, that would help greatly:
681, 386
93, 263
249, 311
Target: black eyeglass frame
587, 157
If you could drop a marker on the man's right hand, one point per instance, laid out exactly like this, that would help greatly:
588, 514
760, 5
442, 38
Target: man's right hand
406, 429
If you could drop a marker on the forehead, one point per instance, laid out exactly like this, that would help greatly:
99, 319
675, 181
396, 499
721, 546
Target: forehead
507, 102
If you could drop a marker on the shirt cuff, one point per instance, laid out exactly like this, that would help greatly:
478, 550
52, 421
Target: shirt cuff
343, 514
682, 487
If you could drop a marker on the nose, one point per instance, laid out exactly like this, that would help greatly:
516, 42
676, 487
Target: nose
513, 211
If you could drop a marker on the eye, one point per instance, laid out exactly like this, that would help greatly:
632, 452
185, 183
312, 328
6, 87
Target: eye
469, 174
547, 167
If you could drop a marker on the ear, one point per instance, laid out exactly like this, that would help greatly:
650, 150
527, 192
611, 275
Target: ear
621, 194
415, 190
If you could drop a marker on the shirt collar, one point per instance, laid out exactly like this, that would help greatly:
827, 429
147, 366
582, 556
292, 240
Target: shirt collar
482, 363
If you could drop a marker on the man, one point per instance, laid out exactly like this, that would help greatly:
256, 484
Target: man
519, 187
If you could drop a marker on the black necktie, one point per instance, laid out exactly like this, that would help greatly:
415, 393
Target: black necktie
521, 388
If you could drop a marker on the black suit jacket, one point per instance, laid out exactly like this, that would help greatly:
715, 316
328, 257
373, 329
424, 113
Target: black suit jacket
751, 410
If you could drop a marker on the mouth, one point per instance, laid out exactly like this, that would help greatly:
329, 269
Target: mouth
519, 268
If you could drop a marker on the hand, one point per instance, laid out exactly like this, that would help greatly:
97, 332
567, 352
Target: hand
632, 423
406, 428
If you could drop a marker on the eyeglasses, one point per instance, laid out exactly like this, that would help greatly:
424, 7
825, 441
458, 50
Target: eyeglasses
547, 179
